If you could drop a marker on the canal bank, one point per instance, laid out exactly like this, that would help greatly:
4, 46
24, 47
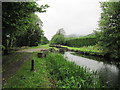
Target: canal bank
94, 51
109, 72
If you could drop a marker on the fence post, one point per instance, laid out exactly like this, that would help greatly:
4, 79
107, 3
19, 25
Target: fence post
32, 65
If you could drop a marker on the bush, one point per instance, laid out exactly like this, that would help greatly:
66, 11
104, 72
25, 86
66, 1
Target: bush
81, 41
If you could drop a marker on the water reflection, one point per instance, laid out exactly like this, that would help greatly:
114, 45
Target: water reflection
110, 73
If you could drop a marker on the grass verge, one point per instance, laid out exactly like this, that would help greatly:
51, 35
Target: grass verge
53, 71
46, 46
25, 78
68, 75
89, 49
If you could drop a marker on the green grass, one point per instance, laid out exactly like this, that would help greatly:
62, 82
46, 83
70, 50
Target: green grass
46, 46
52, 71
86, 48
25, 78
40, 46
68, 75
89, 49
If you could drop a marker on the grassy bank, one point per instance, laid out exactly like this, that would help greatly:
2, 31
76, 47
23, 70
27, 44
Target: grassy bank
88, 49
85, 48
52, 72
68, 75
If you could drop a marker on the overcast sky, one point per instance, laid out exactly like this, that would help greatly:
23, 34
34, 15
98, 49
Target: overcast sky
75, 16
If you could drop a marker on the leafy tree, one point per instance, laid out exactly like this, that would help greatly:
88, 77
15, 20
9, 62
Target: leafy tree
58, 38
110, 28
32, 35
61, 31
16, 19
44, 40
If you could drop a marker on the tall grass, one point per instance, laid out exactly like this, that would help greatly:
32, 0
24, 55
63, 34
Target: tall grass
68, 75
52, 72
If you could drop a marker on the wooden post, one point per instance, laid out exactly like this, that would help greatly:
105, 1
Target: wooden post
32, 65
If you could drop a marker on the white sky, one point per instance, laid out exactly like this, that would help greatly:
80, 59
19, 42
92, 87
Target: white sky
75, 16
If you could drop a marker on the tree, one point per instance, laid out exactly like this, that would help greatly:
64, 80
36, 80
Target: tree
44, 40
16, 21
110, 28
33, 34
59, 37
61, 31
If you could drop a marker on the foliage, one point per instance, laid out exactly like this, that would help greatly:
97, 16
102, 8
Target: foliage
97, 50
110, 28
16, 20
68, 75
58, 38
81, 41
25, 78
32, 36
61, 31
51, 71
86, 48
44, 40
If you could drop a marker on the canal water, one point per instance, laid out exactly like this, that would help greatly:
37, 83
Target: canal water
109, 72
